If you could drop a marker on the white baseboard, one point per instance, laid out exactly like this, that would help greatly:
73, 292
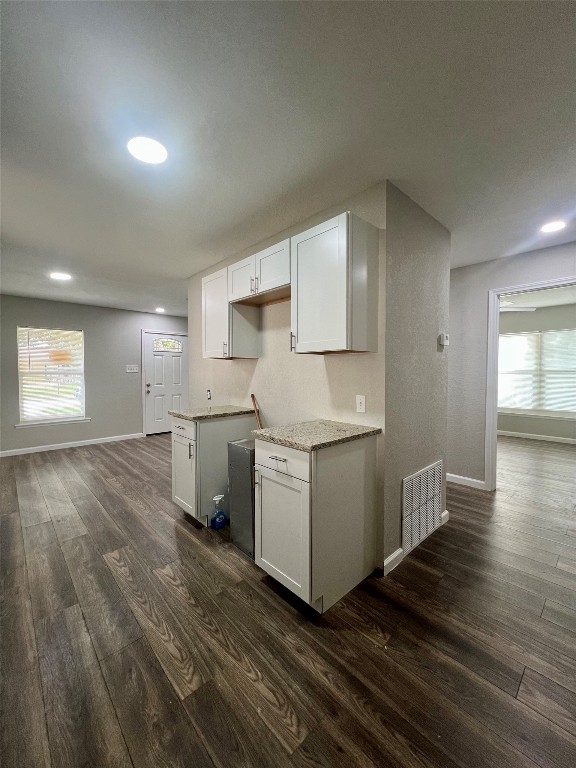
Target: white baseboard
398, 555
392, 560
546, 438
469, 481
75, 444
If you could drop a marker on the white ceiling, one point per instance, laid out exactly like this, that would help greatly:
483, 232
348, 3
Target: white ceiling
548, 297
271, 112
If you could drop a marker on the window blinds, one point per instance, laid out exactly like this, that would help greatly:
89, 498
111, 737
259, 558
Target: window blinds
51, 374
537, 371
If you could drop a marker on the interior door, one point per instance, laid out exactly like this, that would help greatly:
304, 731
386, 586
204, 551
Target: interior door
282, 529
165, 368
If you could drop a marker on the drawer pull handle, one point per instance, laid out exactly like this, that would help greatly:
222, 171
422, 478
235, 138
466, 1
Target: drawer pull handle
278, 458
179, 427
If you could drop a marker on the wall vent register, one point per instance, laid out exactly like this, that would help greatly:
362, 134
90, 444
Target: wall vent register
421, 505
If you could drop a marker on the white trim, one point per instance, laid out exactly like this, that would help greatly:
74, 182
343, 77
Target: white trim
51, 422
398, 555
491, 428
168, 333
393, 560
74, 444
469, 481
547, 438
525, 413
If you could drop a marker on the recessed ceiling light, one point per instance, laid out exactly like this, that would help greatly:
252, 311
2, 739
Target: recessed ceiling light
160, 309
60, 276
147, 150
553, 226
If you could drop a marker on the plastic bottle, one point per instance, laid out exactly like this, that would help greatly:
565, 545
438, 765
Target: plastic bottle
218, 519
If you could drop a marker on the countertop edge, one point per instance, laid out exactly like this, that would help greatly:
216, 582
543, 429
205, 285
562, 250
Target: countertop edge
208, 416
315, 446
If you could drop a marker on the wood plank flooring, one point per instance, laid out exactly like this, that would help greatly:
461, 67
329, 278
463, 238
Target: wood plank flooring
131, 637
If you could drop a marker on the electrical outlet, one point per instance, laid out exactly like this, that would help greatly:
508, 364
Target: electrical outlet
208, 395
360, 403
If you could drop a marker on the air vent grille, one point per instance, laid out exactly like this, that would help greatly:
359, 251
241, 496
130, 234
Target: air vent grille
421, 505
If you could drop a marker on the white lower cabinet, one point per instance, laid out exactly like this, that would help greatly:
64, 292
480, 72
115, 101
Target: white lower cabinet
316, 527
184, 473
200, 461
283, 529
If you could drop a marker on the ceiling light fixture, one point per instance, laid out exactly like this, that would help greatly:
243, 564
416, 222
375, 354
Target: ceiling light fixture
553, 226
160, 310
60, 276
147, 150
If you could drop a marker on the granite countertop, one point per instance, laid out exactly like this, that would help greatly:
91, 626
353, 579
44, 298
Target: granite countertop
311, 435
210, 412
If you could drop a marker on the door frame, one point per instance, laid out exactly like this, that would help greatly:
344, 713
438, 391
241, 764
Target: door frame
143, 372
491, 433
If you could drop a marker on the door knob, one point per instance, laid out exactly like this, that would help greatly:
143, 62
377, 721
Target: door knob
147, 391
147, 385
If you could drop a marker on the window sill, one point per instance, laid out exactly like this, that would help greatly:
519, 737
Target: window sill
563, 415
51, 422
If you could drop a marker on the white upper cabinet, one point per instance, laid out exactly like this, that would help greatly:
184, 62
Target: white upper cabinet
228, 330
241, 279
215, 331
334, 276
264, 271
272, 267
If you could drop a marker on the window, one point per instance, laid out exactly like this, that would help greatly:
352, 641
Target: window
51, 374
537, 371
167, 345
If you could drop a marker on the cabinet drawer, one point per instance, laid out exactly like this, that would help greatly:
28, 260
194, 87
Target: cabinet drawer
286, 460
184, 427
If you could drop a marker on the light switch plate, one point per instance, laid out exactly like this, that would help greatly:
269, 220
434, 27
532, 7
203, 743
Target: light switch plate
132, 368
360, 403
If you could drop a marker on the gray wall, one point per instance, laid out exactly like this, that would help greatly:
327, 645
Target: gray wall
543, 319
417, 285
112, 340
469, 288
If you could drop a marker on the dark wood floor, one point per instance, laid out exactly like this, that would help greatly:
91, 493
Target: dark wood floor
131, 638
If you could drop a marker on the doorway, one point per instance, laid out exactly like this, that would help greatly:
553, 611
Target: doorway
164, 378
536, 366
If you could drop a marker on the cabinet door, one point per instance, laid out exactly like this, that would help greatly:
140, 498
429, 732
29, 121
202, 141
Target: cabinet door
282, 529
273, 267
241, 279
215, 315
184, 473
319, 267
